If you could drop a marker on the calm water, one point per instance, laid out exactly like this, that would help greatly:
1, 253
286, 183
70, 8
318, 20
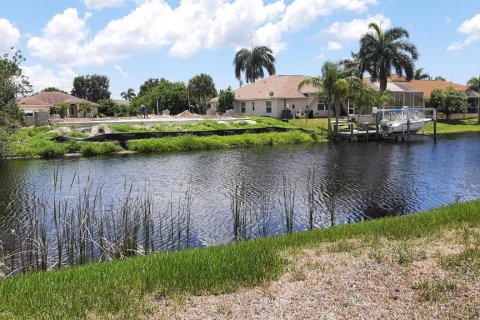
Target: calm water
360, 181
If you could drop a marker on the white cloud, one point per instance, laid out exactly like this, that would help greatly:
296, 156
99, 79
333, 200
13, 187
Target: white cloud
471, 28
41, 77
61, 39
319, 57
186, 29
100, 4
120, 70
333, 46
10, 35
339, 33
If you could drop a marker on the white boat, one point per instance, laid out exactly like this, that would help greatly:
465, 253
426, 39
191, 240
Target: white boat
403, 120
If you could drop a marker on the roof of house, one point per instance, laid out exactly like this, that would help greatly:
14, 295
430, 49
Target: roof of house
276, 86
425, 86
51, 99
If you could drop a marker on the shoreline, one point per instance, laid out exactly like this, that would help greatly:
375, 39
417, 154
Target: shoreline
256, 274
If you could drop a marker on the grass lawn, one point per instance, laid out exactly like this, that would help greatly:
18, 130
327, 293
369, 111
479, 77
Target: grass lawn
124, 289
452, 126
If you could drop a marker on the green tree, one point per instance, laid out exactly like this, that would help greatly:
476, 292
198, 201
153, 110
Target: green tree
420, 75
202, 88
447, 101
128, 95
12, 84
252, 62
439, 78
62, 108
381, 51
147, 85
52, 89
225, 100
474, 84
331, 73
169, 95
91, 87
108, 107
84, 108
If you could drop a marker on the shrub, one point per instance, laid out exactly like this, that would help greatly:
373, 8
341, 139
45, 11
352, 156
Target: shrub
90, 149
4, 143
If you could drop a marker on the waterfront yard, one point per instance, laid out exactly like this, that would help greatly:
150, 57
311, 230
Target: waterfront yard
418, 266
452, 126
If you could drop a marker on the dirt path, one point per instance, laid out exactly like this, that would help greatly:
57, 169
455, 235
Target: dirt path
350, 280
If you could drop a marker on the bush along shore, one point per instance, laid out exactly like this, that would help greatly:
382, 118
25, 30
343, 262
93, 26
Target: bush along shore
135, 287
39, 141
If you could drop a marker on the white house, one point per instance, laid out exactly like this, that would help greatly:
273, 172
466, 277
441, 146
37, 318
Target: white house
270, 96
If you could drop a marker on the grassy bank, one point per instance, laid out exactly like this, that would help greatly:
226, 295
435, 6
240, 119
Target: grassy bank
37, 141
124, 288
453, 126
189, 142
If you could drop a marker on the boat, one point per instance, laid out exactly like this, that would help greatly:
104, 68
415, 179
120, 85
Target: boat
402, 121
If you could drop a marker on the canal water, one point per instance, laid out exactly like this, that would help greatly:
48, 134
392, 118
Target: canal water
340, 183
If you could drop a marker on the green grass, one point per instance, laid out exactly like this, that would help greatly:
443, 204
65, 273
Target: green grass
318, 124
453, 126
122, 288
35, 141
189, 142
90, 149
205, 125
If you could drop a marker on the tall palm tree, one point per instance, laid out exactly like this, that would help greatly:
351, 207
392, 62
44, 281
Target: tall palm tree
331, 73
420, 75
381, 51
128, 95
252, 62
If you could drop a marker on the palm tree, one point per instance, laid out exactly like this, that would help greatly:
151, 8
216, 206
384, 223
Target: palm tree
252, 62
331, 73
128, 95
420, 75
474, 84
381, 51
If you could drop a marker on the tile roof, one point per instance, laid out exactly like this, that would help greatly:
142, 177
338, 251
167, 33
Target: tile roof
425, 86
274, 87
51, 99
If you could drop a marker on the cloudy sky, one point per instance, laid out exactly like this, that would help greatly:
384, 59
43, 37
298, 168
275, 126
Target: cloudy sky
133, 40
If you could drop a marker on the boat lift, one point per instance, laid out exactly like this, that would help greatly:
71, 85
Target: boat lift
409, 114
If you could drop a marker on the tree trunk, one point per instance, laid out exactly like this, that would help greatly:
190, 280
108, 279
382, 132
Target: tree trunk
329, 119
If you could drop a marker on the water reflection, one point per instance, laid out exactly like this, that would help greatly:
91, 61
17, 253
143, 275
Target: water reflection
353, 182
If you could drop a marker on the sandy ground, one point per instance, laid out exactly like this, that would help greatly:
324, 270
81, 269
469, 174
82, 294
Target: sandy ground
185, 116
347, 281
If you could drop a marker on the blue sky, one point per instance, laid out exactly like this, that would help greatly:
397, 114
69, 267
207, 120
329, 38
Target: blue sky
133, 40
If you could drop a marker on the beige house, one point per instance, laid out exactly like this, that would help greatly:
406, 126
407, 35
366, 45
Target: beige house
48, 102
272, 95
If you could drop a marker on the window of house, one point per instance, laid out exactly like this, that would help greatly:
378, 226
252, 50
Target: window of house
242, 106
253, 105
321, 105
269, 106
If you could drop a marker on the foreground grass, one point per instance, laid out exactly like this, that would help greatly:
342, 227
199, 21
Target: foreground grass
122, 288
453, 126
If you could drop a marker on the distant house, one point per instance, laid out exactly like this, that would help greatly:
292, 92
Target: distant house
49, 101
270, 96
413, 93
